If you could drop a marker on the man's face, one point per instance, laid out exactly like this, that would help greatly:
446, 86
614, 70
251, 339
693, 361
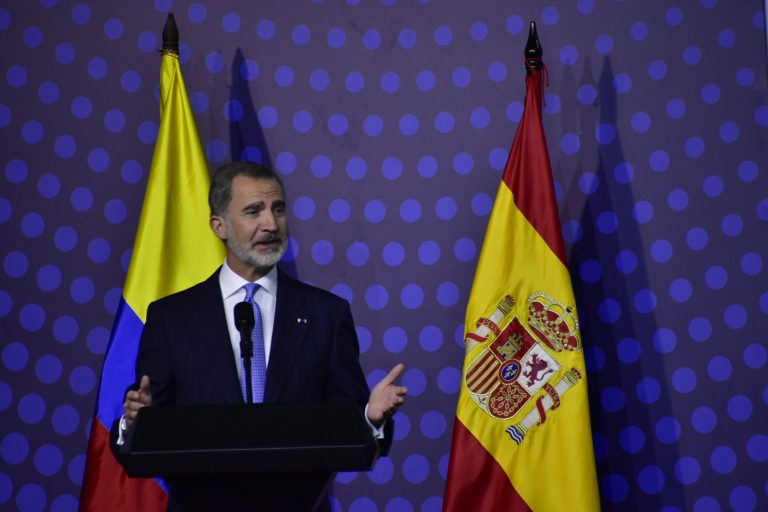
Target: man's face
254, 225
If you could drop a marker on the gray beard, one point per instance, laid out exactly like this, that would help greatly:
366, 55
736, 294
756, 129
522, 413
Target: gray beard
256, 259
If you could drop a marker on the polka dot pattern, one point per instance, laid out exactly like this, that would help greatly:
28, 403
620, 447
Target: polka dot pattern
391, 130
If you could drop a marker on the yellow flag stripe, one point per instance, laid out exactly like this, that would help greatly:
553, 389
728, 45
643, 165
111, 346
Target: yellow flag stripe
174, 247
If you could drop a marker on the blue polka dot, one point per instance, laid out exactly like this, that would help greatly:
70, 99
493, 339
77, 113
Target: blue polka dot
569, 55
147, 42
642, 212
197, 13
65, 420
748, 171
716, 277
357, 168
431, 338
482, 204
664, 340
629, 350
612, 399
407, 38
639, 31
444, 122
622, 83
322, 252
410, 211
14, 448
697, 238
373, 125
321, 166
395, 340
595, 359
48, 459
130, 81
375, 211
632, 439
609, 311
614, 488
735, 316
48, 369
692, 55
65, 53
372, 39
82, 380
448, 294
739, 408
729, 132
393, 254
65, 238
336, 38
648, 390
640, 122
337, 124
358, 254
480, 118
710, 94
719, 368
65, 329
462, 77
376, 297
131, 171
391, 168
657, 70
651, 479
113, 29
97, 340
626, 262
687, 470
755, 356
668, 430
31, 408
465, 249
81, 13
684, 380
412, 296
48, 278
700, 329
570, 143
449, 380
390, 82
266, 29
339, 210
703, 420
425, 80
745, 77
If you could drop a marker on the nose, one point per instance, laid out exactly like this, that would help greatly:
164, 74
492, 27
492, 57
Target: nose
269, 221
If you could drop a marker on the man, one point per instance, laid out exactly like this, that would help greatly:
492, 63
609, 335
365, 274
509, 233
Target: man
190, 355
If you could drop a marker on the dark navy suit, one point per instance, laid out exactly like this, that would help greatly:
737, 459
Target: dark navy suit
187, 353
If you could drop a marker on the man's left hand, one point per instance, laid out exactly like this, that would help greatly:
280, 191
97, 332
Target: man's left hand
386, 397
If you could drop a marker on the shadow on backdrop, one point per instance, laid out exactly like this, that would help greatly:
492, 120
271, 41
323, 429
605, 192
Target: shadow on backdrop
618, 323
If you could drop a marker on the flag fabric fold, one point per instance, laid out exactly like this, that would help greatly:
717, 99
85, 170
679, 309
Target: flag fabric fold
173, 250
522, 438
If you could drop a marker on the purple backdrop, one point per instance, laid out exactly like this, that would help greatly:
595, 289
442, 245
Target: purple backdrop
391, 122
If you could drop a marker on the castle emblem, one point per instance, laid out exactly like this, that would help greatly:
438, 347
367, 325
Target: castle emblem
520, 362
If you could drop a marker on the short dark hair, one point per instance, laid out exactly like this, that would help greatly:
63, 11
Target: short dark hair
220, 193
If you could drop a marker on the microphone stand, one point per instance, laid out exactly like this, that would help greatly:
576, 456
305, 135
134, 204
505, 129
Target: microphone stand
246, 352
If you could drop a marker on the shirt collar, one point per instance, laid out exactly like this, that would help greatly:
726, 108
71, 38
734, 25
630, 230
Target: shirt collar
231, 283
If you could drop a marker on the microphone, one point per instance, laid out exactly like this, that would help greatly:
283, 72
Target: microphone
244, 321
244, 316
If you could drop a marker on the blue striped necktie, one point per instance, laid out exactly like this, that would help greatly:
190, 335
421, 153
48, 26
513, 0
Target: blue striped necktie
258, 361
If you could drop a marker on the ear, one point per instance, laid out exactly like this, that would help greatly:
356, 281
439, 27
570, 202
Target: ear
218, 226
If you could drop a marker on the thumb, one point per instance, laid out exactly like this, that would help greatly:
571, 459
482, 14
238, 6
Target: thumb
393, 374
144, 384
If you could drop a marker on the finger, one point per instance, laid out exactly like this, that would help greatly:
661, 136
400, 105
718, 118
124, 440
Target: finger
144, 384
393, 374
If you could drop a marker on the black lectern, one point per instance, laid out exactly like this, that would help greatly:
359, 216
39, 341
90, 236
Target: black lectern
249, 457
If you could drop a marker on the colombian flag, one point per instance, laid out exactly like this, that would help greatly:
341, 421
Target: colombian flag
174, 249
521, 439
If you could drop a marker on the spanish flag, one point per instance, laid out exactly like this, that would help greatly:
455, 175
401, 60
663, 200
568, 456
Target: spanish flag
521, 439
173, 250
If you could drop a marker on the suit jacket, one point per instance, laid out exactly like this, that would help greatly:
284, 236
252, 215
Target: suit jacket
186, 351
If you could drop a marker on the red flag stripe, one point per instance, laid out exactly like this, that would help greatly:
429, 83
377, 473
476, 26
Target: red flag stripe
528, 174
479, 482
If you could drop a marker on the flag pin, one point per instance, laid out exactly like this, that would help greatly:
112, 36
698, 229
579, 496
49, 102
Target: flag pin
301, 320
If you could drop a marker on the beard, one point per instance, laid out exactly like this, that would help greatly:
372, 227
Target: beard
257, 259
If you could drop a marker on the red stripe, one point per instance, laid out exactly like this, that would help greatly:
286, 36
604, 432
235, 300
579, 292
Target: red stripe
106, 486
475, 480
528, 172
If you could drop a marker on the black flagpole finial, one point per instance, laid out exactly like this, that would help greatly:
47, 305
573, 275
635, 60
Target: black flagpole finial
170, 34
533, 51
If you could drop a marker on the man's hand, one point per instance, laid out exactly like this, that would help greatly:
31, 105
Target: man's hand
135, 400
386, 397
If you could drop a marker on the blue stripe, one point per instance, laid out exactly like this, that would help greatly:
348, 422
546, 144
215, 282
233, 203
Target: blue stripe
119, 364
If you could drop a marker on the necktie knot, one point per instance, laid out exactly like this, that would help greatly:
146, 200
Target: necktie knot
250, 291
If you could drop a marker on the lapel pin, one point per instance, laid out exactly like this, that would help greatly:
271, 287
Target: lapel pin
301, 320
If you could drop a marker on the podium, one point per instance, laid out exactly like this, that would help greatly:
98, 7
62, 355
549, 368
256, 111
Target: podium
281, 456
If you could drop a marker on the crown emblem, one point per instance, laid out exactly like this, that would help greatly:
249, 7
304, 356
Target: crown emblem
554, 323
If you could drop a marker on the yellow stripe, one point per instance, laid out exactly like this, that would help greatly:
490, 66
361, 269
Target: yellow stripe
553, 468
174, 246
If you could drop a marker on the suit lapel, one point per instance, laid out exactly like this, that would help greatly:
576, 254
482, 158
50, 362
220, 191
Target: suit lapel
216, 342
288, 336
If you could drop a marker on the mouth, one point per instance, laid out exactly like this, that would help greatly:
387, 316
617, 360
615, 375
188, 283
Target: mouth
270, 242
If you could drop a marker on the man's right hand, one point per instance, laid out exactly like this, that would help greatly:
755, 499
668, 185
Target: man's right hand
135, 400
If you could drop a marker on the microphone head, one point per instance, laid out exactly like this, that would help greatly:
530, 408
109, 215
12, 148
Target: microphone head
244, 316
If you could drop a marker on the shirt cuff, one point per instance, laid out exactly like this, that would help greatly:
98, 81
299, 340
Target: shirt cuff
378, 433
121, 432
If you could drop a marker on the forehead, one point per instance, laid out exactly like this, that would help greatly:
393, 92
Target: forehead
246, 189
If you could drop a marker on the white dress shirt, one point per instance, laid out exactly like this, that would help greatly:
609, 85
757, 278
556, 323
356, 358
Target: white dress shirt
232, 292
